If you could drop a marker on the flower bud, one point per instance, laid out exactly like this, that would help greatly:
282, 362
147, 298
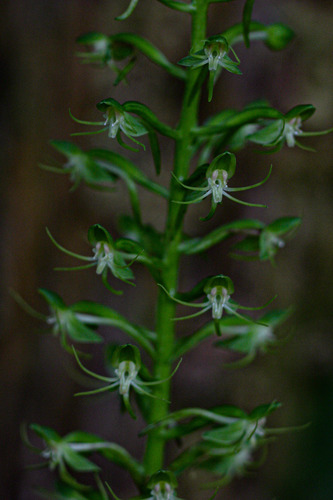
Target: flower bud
278, 36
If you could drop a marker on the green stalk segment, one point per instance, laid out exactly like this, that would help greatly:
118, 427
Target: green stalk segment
165, 328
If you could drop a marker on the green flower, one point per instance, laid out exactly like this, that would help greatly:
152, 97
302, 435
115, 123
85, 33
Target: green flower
275, 133
247, 339
68, 452
229, 450
213, 53
108, 255
117, 121
162, 486
66, 323
126, 363
227, 464
212, 180
100, 49
81, 167
217, 290
226, 449
264, 243
105, 51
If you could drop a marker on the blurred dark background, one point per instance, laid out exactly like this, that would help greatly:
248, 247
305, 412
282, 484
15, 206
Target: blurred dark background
41, 79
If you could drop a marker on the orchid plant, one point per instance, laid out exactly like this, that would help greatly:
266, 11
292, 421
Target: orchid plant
226, 440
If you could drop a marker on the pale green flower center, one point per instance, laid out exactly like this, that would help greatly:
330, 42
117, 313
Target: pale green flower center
217, 183
104, 257
215, 52
100, 46
163, 491
292, 129
218, 297
115, 120
127, 373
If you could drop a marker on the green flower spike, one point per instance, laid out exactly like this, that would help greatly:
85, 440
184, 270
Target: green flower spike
274, 134
217, 290
81, 167
117, 121
213, 180
126, 362
214, 53
108, 255
105, 51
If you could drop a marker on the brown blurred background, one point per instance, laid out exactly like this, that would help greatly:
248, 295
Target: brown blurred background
41, 79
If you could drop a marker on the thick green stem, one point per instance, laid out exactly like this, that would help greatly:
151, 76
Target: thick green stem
155, 449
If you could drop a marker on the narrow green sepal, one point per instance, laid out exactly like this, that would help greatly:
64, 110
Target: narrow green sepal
278, 36
128, 11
